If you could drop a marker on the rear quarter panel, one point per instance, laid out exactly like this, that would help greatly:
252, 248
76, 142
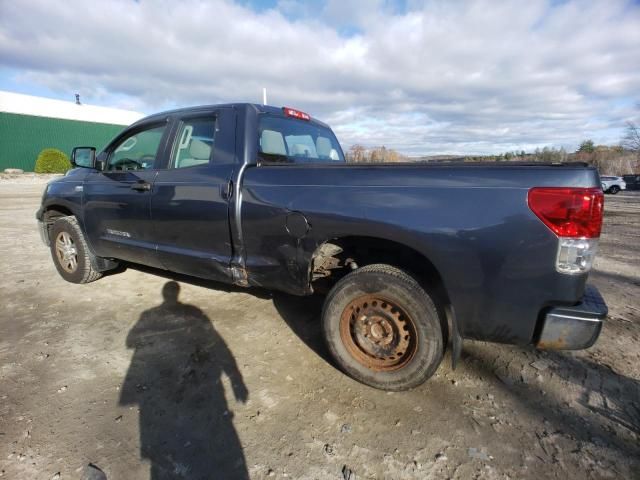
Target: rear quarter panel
496, 258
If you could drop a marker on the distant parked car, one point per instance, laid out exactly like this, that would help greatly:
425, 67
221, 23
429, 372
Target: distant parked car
632, 181
613, 184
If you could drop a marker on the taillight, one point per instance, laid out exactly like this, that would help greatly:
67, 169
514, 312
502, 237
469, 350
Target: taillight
569, 212
574, 215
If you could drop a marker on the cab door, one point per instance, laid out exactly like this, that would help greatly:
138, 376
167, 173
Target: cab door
117, 199
191, 195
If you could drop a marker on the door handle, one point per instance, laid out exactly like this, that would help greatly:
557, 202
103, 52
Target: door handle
141, 186
227, 190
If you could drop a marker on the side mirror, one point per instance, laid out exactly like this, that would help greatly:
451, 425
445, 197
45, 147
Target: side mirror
84, 157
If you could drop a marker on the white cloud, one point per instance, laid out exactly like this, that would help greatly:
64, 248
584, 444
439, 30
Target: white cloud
440, 77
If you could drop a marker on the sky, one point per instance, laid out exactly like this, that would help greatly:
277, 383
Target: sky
421, 77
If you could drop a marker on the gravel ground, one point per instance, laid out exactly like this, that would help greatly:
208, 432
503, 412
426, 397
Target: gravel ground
147, 378
28, 178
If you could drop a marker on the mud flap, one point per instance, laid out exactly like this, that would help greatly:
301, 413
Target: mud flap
456, 338
456, 346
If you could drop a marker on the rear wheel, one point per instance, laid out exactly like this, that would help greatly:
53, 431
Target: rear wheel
382, 328
614, 189
70, 252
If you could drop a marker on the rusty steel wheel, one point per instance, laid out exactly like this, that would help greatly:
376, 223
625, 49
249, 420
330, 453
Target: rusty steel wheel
378, 333
382, 328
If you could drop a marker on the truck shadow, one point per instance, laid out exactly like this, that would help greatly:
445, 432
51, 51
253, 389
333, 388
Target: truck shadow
301, 314
614, 278
593, 397
186, 428
605, 392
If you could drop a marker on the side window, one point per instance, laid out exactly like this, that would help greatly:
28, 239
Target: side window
137, 151
194, 143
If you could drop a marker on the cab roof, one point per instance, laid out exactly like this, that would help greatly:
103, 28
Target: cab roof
258, 108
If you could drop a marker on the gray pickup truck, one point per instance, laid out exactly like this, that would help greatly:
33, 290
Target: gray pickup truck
412, 257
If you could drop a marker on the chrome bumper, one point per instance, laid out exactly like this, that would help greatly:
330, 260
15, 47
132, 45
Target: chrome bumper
575, 327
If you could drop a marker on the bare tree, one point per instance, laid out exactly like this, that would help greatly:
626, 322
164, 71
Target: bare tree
356, 153
631, 139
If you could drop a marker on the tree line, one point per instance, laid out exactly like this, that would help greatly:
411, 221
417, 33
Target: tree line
620, 159
361, 154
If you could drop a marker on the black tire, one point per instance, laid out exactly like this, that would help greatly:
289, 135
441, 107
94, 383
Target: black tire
84, 271
367, 315
614, 189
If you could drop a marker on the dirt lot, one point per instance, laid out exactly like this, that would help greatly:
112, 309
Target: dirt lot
220, 383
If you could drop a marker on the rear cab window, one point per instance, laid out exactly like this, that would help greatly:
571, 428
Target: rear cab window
284, 140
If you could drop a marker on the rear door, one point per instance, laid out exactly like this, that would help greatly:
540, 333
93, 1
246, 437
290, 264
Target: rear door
117, 200
191, 195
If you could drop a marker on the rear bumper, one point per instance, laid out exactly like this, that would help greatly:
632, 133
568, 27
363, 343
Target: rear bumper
575, 327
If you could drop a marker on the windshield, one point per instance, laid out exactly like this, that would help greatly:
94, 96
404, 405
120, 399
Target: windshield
289, 140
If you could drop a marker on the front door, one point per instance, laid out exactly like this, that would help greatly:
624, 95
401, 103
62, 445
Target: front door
191, 196
117, 200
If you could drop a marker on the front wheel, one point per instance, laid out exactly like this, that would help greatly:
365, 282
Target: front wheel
614, 189
70, 252
382, 328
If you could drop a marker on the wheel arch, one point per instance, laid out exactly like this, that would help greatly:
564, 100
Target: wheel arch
52, 212
335, 257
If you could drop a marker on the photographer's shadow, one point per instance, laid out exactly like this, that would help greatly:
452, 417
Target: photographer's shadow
186, 429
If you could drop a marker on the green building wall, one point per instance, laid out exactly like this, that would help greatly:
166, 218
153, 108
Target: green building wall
23, 137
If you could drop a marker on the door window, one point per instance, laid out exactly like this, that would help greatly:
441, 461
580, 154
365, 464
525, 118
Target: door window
195, 142
137, 151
